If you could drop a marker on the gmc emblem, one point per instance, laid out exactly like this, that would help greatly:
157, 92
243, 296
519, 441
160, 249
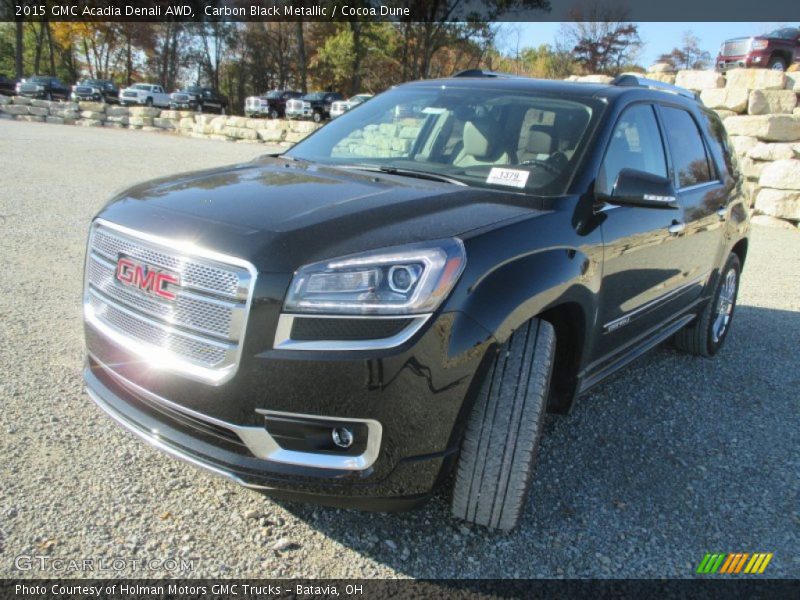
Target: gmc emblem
147, 279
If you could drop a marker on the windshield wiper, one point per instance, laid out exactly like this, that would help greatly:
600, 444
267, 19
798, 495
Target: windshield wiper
404, 173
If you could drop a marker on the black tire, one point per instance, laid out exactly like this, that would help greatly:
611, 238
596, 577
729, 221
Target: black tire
274, 114
148, 102
777, 63
317, 116
703, 336
223, 110
498, 453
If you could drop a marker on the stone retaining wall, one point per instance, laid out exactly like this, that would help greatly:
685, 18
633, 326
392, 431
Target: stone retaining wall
197, 125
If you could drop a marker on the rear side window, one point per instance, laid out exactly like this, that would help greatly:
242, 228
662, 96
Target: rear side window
635, 144
686, 147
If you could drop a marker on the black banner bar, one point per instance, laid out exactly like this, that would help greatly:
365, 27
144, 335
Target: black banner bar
782, 11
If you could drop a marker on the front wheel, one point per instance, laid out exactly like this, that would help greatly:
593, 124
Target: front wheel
148, 102
498, 453
317, 117
273, 114
705, 335
776, 63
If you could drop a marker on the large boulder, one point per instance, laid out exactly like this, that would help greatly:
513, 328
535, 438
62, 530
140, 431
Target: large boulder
186, 123
15, 109
762, 151
97, 107
734, 99
143, 111
779, 203
742, 143
165, 123
699, 80
752, 169
39, 111
769, 128
774, 222
270, 135
240, 133
772, 102
118, 111
4, 100
21, 100
660, 67
121, 120
756, 79
42, 103
92, 115
140, 121
663, 77
781, 175
793, 81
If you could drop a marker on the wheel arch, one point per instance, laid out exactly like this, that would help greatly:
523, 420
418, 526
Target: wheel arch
740, 249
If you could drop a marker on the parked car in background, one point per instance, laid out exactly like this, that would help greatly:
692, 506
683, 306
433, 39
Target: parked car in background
272, 103
8, 86
46, 87
199, 98
778, 50
146, 94
340, 107
315, 106
97, 90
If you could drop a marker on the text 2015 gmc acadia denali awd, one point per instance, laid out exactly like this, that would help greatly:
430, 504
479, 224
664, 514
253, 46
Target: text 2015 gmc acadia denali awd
402, 295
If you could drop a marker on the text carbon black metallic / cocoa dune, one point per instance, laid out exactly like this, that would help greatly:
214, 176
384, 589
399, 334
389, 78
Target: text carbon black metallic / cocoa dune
394, 303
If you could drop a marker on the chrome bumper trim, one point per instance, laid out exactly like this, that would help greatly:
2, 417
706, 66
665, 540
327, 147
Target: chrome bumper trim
261, 443
284, 341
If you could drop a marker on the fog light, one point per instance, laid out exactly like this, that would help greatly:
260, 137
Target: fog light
342, 437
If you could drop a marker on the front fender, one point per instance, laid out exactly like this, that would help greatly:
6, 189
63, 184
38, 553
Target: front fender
532, 284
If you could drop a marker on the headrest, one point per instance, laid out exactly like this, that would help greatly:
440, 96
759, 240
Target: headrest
539, 141
476, 140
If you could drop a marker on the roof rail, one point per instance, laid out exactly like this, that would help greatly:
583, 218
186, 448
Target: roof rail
633, 80
483, 73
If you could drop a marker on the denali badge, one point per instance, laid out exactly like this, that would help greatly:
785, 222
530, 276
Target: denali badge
148, 279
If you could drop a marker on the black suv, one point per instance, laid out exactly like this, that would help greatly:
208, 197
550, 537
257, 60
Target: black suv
8, 86
97, 90
395, 302
43, 86
199, 98
315, 106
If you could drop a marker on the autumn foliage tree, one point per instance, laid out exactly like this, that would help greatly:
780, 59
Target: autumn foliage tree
688, 55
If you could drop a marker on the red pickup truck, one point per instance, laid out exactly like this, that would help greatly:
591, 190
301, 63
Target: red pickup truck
777, 50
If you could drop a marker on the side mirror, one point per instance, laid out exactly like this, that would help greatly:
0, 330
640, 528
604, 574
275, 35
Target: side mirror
639, 188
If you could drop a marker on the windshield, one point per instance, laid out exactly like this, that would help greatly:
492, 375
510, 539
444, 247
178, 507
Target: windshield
141, 86
274, 95
314, 96
40, 79
787, 33
496, 138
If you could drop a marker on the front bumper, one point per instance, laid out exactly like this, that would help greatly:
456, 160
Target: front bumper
182, 105
755, 59
86, 97
416, 396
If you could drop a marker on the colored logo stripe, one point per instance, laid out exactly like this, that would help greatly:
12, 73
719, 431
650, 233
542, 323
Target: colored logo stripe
729, 564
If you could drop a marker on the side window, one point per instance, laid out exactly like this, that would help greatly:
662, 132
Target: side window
635, 144
686, 147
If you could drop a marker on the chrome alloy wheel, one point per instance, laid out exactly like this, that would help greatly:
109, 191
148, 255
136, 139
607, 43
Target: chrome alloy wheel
724, 308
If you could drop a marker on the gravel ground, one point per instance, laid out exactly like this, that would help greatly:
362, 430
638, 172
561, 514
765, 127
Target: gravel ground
672, 458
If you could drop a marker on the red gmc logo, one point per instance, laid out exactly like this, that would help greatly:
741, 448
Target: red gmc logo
146, 278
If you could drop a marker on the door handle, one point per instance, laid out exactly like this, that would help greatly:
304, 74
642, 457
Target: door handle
676, 228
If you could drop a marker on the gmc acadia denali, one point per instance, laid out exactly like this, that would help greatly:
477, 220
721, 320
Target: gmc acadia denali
394, 303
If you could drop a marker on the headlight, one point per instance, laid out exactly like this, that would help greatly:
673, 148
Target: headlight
758, 44
405, 280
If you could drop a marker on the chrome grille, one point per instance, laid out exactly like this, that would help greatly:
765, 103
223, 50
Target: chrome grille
199, 333
735, 47
294, 104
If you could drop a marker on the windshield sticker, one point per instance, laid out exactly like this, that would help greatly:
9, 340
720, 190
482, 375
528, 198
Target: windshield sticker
510, 177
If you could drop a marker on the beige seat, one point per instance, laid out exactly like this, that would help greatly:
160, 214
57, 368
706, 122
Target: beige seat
540, 145
480, 146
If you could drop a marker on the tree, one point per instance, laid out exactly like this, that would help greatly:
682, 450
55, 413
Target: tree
602, 38
689, 55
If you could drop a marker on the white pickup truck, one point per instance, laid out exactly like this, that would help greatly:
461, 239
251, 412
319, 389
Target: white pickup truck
146, 94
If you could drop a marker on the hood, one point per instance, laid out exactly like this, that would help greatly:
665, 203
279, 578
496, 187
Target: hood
280, 214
